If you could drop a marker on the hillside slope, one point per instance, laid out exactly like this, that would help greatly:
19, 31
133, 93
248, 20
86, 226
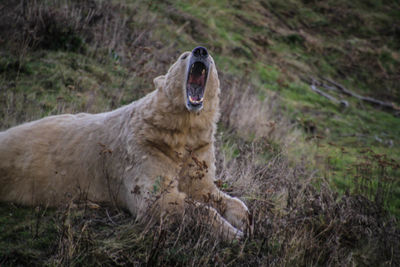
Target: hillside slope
318, 175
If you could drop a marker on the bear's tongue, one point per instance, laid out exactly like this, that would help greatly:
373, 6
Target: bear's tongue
195, 92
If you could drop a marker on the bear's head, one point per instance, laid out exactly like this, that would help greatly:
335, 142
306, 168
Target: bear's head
191, 82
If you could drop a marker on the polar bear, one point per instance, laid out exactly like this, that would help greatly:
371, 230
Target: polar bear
153, 156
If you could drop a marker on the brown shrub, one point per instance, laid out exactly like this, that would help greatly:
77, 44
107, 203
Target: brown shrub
61, 25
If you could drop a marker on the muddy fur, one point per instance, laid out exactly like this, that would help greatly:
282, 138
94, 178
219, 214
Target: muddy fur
150, 153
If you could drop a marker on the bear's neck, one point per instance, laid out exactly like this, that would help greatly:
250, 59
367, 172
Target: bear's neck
163, 114
175, 127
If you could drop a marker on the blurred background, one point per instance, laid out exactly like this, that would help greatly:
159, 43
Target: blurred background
309, 135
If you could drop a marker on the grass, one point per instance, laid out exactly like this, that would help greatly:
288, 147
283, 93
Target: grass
317, 177
64, 82
27, 235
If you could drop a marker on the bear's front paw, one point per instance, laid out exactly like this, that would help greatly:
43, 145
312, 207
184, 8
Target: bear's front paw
238, 214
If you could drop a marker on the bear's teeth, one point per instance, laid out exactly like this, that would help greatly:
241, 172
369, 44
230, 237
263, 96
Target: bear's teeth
195, 101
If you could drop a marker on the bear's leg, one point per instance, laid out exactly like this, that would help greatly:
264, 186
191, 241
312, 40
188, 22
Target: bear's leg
171, 205
231, 208
236, 212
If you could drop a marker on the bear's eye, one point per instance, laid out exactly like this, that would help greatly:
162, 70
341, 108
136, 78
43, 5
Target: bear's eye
184, 56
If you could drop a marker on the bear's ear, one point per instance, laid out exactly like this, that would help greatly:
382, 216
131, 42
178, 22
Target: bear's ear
159, 82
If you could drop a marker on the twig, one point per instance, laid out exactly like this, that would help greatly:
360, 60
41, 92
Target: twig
259, 199
363, 98
343, 103
331, 98
111, 220
330, 88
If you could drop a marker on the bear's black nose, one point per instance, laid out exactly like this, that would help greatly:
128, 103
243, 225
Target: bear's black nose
200, 52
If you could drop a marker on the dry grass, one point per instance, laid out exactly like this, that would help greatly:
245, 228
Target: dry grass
296, 215
62, 25
294, 224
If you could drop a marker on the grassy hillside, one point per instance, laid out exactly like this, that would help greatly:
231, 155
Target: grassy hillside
322, 178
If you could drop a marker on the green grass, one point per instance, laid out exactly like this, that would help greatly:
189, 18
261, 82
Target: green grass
65, 82
26, 235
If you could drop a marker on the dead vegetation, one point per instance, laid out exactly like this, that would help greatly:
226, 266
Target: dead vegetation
294, 224
62, 25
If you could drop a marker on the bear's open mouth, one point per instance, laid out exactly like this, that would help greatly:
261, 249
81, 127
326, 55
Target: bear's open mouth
197, 74
196, 82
